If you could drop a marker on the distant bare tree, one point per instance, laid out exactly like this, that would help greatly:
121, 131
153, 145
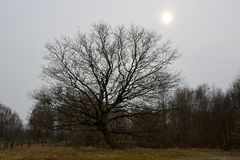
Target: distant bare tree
11, 127
108, 74
234, 92
234, 95
42, 118
181, 118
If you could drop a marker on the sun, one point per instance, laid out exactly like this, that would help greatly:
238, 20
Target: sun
167, 17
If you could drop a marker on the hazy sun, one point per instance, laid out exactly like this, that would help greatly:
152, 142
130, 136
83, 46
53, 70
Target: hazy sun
167, 17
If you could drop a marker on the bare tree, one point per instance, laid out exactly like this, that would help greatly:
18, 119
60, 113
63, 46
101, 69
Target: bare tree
108, 74
42, 118
11, 127
234, 95
234, 92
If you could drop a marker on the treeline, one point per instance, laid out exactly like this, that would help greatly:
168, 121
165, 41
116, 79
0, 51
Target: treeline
202, 117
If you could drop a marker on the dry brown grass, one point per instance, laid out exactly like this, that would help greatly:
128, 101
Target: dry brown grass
88, 153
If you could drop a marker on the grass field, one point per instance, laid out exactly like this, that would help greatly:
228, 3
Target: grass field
64, 153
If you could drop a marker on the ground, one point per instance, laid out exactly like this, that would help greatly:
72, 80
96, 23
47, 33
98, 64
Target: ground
88, 153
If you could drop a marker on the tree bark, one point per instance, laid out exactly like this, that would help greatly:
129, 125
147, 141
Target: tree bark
107, 135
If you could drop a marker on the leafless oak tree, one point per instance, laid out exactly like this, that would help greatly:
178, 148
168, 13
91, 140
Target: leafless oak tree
110, 73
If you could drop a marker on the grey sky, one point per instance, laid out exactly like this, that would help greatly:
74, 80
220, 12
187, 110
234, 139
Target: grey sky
205, 32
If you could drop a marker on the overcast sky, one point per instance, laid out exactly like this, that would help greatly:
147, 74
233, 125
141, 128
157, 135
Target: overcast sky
206, 33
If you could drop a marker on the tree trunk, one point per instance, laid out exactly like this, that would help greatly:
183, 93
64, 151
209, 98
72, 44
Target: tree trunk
107, 136
12, 144
29, 142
